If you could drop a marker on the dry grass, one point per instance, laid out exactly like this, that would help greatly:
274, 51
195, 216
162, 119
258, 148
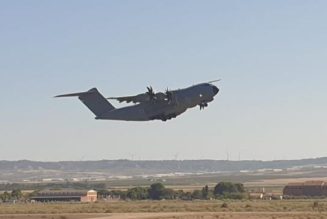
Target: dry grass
166, 206
178, 215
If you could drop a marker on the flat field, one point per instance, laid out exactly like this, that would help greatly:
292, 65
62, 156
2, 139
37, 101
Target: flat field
286, 209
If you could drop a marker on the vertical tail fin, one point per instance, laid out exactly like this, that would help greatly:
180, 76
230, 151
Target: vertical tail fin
93, 100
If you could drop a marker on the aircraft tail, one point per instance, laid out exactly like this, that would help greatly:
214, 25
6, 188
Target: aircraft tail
93, 100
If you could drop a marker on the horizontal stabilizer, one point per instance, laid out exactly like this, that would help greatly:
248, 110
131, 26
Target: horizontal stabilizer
93, 90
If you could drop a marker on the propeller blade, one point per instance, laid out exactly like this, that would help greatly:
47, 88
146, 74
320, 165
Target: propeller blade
169, 95
210, 82
150, 92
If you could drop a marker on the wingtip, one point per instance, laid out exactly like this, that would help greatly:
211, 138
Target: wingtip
77, 94
60, 96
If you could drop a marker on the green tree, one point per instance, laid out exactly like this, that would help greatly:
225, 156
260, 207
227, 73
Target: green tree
197, 194
186, 196
118, 193
169, 194
179, 194
239, 187
224, 187
103, 193
138, 193
16, 194
205, 192
5, 196
229, 190
157, 191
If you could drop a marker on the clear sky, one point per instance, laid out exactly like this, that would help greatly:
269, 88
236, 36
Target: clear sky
270, 55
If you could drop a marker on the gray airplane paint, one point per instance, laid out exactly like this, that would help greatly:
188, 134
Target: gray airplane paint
160, 107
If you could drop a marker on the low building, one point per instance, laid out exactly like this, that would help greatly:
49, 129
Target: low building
91, 196
70, 195
308, 188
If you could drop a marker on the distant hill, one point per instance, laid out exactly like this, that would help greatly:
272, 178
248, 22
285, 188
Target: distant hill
33, 170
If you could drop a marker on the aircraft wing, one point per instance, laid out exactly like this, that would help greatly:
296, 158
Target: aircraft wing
141, 98
134, 99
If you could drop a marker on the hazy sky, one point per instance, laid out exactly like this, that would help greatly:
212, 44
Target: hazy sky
271, 56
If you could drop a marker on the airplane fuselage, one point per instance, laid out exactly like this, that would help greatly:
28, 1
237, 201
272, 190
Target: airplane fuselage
182, 100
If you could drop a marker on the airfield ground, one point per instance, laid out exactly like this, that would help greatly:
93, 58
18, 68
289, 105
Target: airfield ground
285, 209
179, 215
177, 209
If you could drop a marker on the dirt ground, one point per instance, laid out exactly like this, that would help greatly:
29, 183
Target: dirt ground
211, 215
52, 216
177, 215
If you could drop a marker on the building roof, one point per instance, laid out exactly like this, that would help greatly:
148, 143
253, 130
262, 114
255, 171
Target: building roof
308, 183
295, 184
313, 183
63, 193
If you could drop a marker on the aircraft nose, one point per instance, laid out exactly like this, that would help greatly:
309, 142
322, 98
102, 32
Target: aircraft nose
215, 90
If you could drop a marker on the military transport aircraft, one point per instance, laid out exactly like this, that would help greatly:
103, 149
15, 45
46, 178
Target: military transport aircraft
150, 105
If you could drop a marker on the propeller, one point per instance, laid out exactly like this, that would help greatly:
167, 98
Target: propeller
150, 93
169, 95
210, 82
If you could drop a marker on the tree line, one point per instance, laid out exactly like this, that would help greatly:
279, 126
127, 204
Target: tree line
15, 194
158, 191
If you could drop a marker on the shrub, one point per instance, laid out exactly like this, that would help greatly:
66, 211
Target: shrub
315, 204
